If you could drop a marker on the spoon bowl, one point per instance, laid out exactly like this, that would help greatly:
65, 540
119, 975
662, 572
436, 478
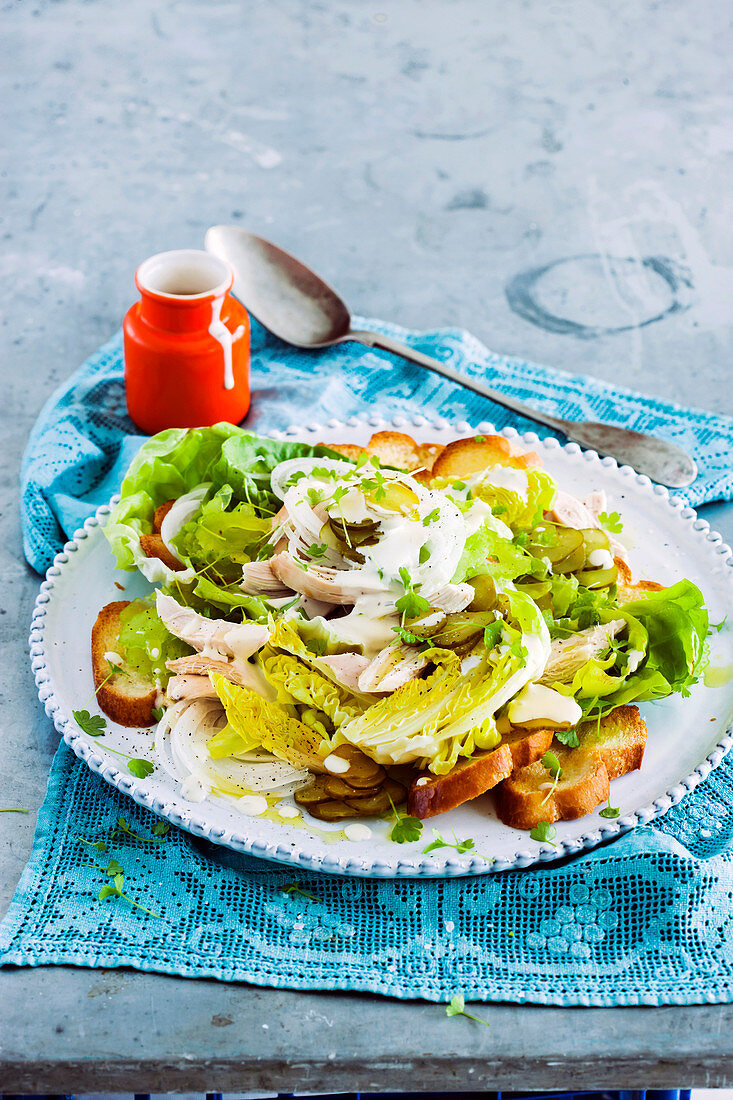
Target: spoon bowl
296, 305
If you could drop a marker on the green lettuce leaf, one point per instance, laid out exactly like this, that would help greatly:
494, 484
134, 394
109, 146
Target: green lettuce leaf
168, 465
665, 633
247, 461
299, 683
222, 536
145, 644
254, 722
519, 510
448, 713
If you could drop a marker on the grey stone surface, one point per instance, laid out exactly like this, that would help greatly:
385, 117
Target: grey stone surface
556, 177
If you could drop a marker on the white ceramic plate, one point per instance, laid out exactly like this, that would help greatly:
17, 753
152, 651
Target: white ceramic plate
687, 737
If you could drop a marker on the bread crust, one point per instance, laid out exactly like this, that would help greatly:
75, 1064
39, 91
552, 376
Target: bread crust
125, 699
430, 794
527, 796
153, 546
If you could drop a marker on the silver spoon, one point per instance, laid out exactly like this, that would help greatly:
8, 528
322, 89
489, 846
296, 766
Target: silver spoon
295, 304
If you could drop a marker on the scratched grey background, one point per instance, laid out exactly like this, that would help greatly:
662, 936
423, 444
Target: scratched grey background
556, 177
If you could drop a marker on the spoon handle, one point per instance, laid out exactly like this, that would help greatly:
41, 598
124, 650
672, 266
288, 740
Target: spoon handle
378, 340
657, 458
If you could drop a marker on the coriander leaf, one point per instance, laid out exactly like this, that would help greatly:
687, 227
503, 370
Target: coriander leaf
552, 764
317, 549
431, 517
161, 828
459, 485
611, 521
296, 477
119, 881
361, 460
107, 892
411, 605
465, 846
405, 829
480, 438
492, 633
544, 832
141, 769
405, 577
317, 646
158, 713
92, 724
610, 811
568, 737
435, 844
424, 554
315, 496
409, 638
114, 868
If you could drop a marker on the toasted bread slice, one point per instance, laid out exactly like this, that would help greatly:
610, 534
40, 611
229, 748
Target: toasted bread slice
348, 450
527, 745
528, 797
153, 546
436, 794
628, 590
160, 513
125, 697
464, 457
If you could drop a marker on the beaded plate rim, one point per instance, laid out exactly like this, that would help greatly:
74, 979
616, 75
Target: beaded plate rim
179, 813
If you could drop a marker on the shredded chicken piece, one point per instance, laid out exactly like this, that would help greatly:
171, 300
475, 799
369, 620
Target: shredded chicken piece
346, 667
258, 579
392, 667
336, 586
189, 687
451, 597
213, 637
571, 512
567, 655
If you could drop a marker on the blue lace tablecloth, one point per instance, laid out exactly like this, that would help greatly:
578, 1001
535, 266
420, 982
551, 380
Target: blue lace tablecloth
647, 919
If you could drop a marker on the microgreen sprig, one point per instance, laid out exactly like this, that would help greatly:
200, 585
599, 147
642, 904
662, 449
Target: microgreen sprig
611, 521
461, 846
457, 1007
295, 888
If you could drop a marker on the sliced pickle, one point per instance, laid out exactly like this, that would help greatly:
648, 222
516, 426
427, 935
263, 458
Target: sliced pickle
597, 578
362, 770
575, 560
395, 496
536, 589
462, 627
567, 540
379, 803
312, 794
335, 810
369, 807
484, 593
595, 539
339, 788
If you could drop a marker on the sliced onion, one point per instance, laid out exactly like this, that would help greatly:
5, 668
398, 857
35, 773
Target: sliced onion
183, 510
181, 740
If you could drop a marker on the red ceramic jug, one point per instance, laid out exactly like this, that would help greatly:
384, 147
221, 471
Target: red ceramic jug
186, 344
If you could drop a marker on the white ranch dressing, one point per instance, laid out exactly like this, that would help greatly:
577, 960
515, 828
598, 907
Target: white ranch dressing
223, 336
254, 805
536, 702
357, 831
